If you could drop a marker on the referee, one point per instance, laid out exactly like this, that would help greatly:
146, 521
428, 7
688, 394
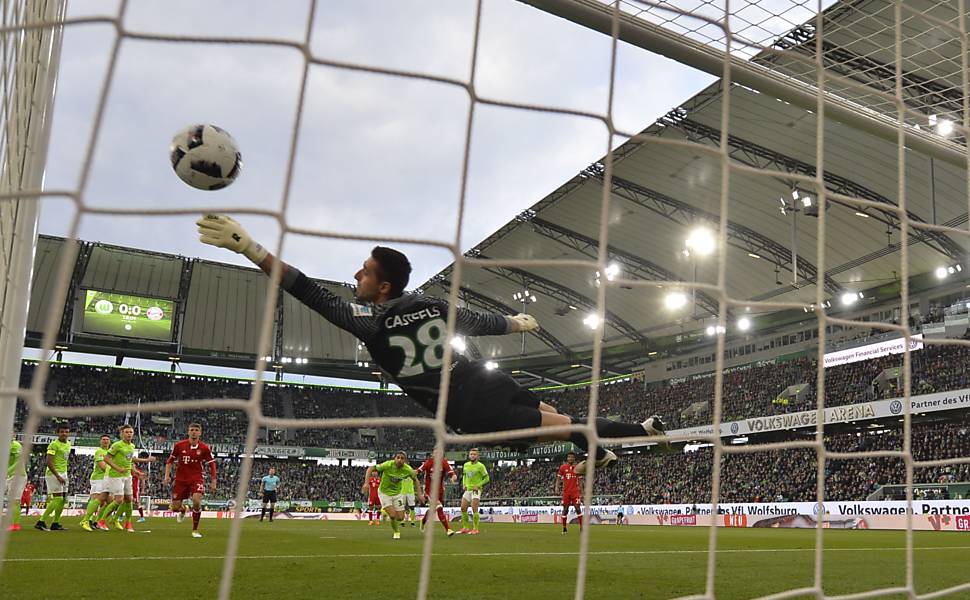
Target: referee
267, 487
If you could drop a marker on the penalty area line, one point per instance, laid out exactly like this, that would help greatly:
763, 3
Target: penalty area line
471, 554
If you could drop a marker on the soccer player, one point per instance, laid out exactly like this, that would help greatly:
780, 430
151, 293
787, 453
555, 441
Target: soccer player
267, 487
138, 477
570, 481
120, 459
373, 500
99, 487
27, 498
428, 467
10, 487
393, 472
190, 454
407, 490
474, 476
619, 516
405, 334
55, 477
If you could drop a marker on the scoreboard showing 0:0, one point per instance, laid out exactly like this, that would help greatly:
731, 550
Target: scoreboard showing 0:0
127, 315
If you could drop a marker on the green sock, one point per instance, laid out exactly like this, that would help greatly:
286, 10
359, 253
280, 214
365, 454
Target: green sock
127, 511
107, 510
93, 505
394, 524
464, 519
59, 508
475, 520
48, 510
15, 517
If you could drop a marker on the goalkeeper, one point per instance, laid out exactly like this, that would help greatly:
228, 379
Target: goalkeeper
406, 334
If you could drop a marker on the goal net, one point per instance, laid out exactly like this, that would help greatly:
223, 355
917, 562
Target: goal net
881, 82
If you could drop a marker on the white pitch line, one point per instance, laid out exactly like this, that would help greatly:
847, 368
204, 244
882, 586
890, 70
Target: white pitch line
473, 554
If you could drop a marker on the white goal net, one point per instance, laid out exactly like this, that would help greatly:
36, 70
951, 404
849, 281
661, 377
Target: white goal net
894, 73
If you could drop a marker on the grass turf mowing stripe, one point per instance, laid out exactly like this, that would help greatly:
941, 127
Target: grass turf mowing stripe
479, 554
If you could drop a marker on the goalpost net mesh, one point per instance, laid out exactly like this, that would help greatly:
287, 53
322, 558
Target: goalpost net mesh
775, 47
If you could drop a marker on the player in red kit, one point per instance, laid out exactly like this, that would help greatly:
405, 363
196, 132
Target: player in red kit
445, 467
570, 490
190, 455
374, 501
27, 497
137, 477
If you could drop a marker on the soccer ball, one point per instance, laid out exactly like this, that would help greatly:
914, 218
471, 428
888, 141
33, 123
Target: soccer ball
205, 157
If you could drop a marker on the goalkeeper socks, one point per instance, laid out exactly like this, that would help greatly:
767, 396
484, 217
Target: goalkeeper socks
196, 514
270, 514
107, 510
611, 429
262, 513
93, 505
475, 520
58, 508
441, 517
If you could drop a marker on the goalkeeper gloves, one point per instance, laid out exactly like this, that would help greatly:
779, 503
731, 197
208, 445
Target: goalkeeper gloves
224, 232
521, 323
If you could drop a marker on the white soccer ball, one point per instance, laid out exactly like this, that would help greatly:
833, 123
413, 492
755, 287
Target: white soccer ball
205, 157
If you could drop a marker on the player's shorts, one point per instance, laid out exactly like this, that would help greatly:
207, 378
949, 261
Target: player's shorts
409, 500
571, 500
482, 401
183, 490
99, 485
119, 486
54, 486
374, 500
470, 495
397, 501
441, 494
269, 496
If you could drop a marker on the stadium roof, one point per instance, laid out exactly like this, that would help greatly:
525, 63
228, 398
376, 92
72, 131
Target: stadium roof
660, 193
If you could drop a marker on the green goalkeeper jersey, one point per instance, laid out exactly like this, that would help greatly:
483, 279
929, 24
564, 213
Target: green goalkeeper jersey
60, 451
474, 475
121, 453
392, 476
15, 449
98, 473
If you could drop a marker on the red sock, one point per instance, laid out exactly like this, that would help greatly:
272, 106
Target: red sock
441, 517
424, 519
565, 521
195, 519
579, 519
141, 512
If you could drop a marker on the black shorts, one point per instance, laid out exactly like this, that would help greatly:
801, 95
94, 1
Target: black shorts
269, 496
483, 401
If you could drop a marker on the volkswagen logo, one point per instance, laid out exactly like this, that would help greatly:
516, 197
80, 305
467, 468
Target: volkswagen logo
895, 407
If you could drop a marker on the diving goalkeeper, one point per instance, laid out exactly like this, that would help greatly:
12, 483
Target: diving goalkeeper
406, 334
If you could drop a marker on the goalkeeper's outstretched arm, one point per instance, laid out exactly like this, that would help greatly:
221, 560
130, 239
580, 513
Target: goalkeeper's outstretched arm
224, 232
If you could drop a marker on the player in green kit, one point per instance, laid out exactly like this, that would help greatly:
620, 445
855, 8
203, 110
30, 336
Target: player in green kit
15, 482
55, 477
393, 473
119, 458
407, 490
473, 479
99, 487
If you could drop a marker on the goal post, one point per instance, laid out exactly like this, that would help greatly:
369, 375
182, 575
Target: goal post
30, 58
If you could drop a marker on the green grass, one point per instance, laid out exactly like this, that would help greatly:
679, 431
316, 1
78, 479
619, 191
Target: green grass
334, 560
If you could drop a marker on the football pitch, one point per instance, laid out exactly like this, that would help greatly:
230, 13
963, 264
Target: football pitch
335, 560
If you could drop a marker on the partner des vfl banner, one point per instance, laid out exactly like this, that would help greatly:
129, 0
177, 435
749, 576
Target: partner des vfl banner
839, 414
